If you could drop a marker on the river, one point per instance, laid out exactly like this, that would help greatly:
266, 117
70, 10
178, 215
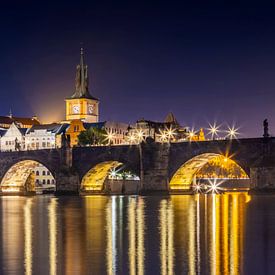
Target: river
231, 233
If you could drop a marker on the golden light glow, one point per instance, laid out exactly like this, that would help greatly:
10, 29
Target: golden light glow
136, 235
109, 137
131, 138
28, 236
170, 133
166, 237
17, 178
214, 186
200, 167
162, 136
94, 179
52, 235
139, 136
111, 249
209, 233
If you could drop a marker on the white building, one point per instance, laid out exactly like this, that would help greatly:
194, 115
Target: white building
13, 139
44, 180
45, 136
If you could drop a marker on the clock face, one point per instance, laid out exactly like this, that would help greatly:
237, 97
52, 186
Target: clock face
90, 108
76, 109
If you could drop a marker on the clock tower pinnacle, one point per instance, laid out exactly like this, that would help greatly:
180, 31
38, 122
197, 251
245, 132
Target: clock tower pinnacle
81, 105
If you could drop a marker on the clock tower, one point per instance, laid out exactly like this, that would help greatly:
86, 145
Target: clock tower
81, 105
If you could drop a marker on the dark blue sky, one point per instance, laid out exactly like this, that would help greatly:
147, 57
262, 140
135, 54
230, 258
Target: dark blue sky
204, 62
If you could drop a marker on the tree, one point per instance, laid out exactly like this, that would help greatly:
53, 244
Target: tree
92, 136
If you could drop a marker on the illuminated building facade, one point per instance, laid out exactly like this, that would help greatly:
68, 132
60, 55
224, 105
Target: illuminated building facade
81, 105
155, 129
13, 139
43, 178
22, 122
46, 136
118, 130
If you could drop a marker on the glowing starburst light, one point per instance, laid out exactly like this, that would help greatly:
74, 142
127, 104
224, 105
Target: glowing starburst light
191, 134
162, 136
232, 132
109, 137
131, 138
197, 187
170, 133
213, 130
113, 173
214, 187
140, 136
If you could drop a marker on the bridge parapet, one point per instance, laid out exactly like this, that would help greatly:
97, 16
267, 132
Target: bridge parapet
155, 163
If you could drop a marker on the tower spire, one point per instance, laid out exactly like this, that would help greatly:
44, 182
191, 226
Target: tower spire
81, 79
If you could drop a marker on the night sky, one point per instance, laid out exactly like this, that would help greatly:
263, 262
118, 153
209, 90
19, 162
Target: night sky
204, 62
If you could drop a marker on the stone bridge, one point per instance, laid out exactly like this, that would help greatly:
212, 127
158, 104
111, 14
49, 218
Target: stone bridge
161, 167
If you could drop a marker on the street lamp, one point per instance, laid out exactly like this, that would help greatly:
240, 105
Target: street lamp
232, 132
109, 137
213, 130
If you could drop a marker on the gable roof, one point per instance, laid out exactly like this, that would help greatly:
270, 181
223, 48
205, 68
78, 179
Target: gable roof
55, 128
21, 120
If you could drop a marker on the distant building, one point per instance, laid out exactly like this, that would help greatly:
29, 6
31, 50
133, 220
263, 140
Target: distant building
2, 132
22, 122
82, 105
44, 180
13, 139
45, 136
157, 130
74, 129
117, 129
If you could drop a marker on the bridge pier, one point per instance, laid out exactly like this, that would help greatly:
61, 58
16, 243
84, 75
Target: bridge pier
262, 178
155, 160
67, 179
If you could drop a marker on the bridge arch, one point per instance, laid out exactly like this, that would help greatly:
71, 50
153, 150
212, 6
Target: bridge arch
20, 177
94, 179
184, 175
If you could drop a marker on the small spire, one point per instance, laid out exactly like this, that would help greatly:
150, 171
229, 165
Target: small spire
10, 114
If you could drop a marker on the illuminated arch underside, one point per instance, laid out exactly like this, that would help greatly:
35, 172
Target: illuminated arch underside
17, 176
94, 179
184, 176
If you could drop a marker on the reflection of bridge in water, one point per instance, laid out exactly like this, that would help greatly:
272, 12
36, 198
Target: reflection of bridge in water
160, 167
180, 234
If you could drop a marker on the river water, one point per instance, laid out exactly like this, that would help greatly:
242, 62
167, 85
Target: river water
232, 233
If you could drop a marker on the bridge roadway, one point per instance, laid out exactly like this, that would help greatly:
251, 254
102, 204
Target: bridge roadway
161, 167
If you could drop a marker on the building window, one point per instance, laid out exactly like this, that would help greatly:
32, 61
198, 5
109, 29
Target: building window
44, 181
43, 144
52, 181
44, 173
48, 173
37, 173
76, 128
48, 182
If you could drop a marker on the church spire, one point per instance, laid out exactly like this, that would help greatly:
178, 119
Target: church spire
81, 79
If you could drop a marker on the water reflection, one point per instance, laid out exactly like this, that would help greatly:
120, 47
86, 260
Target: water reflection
28, 236
202, 234
52, 209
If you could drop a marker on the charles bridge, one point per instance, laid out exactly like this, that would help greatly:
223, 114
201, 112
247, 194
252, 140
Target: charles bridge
156, 164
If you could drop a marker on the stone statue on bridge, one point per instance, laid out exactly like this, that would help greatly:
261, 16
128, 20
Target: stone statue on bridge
265, 124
